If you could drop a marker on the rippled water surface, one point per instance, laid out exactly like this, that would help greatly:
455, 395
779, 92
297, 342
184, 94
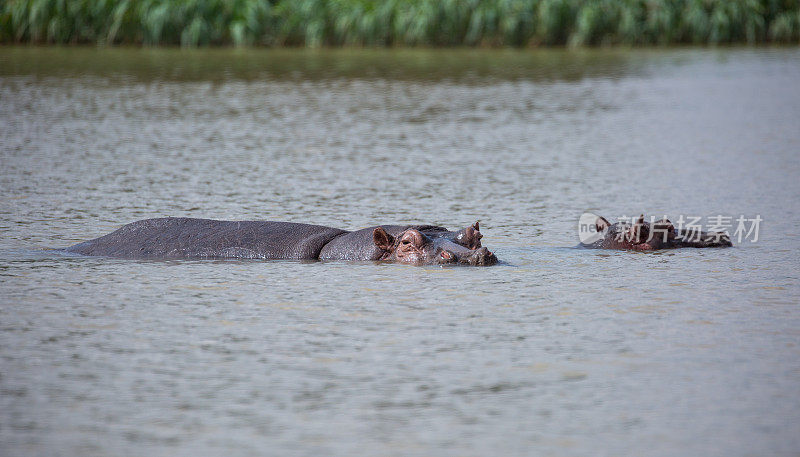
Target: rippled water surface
557, 351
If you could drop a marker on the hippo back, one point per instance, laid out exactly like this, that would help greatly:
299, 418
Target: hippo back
185, 238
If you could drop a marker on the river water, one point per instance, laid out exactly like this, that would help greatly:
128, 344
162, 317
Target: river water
557, 351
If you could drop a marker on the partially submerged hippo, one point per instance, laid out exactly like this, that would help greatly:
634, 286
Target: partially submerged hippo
187, 238
646, 236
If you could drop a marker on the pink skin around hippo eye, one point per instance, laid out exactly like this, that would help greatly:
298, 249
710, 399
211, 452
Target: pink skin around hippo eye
446, 255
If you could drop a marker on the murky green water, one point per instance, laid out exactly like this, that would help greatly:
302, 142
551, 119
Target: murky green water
560, 351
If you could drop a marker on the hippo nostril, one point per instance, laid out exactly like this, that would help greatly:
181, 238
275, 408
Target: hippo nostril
482, 256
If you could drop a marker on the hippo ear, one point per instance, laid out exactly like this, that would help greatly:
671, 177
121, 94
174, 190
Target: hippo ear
639, 231
663, 230
666, 224
383, 240
470, 237
476, 226
601, 224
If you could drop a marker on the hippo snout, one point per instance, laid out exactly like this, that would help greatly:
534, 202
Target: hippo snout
481, 257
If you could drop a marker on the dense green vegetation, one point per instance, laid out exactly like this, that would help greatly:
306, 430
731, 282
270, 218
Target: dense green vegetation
399, 22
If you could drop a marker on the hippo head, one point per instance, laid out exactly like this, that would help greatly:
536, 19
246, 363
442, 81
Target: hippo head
641, 236
414, 247
648, 236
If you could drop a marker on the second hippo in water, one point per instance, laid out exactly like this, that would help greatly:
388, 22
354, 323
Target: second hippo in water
649, 236
187, 238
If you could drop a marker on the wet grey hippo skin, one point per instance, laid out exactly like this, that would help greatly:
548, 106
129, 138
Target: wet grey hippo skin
647, 236
187, 238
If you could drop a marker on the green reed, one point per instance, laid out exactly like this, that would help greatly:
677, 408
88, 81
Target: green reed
399, 22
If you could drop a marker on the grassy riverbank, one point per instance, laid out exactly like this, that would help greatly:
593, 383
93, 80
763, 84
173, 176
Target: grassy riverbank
399, 22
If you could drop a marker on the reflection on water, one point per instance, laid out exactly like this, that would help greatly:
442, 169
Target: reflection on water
559, 351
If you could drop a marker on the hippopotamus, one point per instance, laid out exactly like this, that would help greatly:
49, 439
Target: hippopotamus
649, 236
189, 238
